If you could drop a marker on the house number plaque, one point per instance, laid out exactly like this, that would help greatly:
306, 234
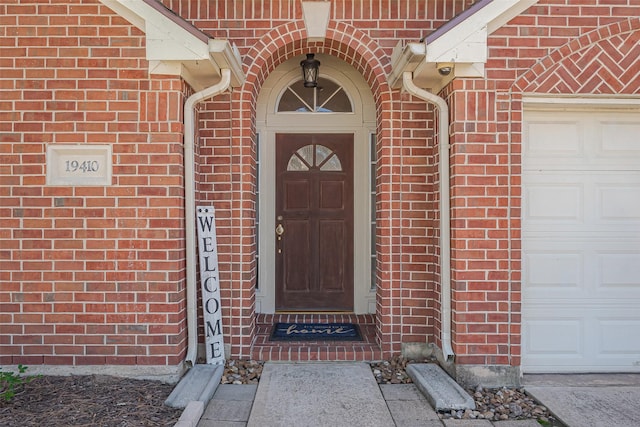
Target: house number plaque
79, 164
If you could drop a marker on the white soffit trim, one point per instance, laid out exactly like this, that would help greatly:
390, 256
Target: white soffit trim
462, 45
467, 41
580, 102
176, 47
316, 19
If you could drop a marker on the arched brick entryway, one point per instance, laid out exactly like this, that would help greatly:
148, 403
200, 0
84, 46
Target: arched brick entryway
356, 48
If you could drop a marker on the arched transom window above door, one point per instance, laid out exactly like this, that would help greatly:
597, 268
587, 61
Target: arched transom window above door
314, 156
328, 97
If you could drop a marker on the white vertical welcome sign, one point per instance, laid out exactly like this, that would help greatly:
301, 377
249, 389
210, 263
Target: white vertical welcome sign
210, 279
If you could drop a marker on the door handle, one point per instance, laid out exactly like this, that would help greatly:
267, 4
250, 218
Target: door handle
279, 232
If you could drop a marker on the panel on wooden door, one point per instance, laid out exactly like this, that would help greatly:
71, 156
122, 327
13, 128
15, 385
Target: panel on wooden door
314, 222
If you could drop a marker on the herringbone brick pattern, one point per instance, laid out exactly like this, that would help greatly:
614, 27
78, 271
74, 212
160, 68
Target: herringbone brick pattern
607, 66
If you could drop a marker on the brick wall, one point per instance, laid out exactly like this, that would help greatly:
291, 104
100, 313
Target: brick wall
556, 47
481, 218
362, 34
95, 275
88, 274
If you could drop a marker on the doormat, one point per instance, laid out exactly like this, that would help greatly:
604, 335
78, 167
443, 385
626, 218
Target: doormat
316, 332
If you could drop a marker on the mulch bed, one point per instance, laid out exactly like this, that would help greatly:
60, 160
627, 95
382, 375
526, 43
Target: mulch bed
104, 401
89, 400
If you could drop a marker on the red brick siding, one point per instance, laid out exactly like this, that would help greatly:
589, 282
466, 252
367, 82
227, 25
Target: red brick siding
480, 226
551, 49
602, 61
269, 36
90, 275
96, 274
418, 239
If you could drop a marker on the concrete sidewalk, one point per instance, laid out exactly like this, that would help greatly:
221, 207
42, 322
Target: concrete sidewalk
346, 394
589, 400
327, 394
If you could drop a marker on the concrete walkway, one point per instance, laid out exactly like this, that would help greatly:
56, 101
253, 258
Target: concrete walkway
589, 400
319, 394
327, 394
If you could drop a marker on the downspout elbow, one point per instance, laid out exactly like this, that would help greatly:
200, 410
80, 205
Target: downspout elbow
189, 208
443, 187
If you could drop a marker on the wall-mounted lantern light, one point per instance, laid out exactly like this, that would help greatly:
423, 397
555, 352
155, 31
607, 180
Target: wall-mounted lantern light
310, 67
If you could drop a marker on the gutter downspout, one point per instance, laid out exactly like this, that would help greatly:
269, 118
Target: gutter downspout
445, 215
190, 209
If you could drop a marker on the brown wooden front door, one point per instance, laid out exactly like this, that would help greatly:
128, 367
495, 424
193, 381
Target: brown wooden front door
314, 222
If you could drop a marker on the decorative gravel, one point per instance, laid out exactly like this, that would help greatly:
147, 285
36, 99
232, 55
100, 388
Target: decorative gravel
242, 372
491, 404
499, 404
495, 404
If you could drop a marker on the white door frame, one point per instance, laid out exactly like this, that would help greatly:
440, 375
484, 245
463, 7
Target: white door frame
361, 123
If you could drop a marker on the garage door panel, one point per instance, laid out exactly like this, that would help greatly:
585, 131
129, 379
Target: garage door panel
581, 241
552, 201
619, 202
553, 272
582, 201
619, 139
619, 337
553, 140
549, 337
619, 272
569, 140
559, 340
564, 266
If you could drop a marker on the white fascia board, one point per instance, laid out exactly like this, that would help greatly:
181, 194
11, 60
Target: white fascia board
173, 50
122, 9
508, 14
226, 55
165, 39
204, 73
472, 48
404, 58
465, 40
464, 46
411, 57
173, 43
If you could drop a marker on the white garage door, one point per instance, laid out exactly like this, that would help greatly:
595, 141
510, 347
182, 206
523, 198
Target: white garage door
581, 241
